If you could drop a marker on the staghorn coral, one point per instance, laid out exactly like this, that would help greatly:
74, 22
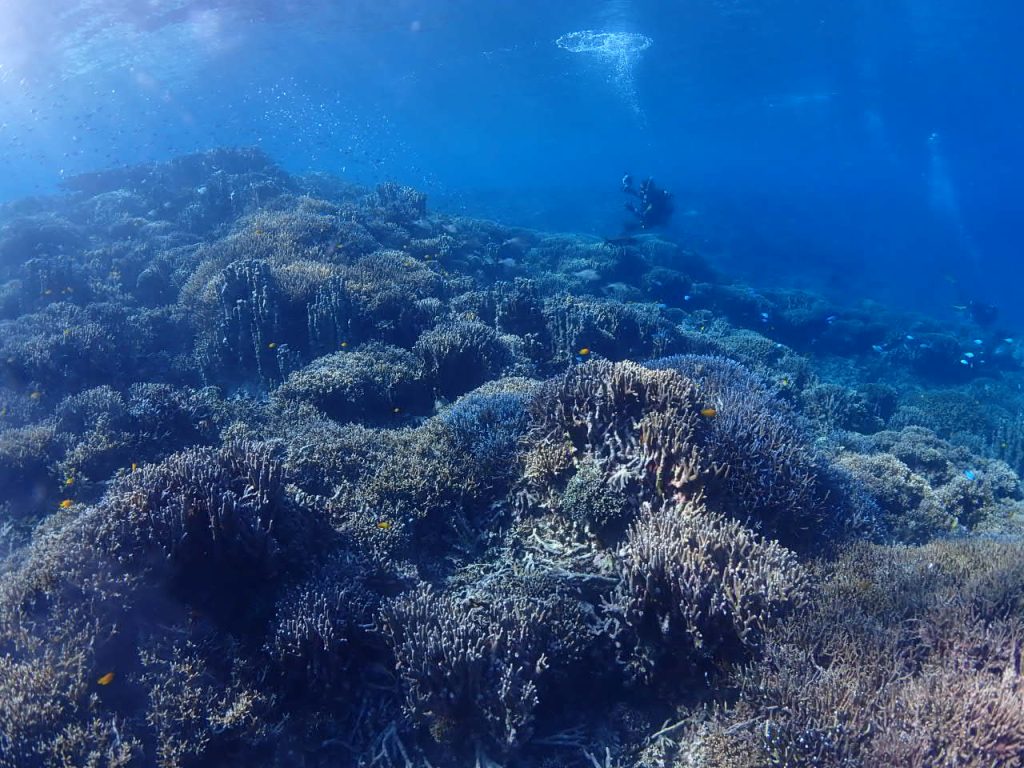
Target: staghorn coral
329, 317
242, 343
641, 427
101, 431
261, 320
925, 486
371, 383
197, 191
612, 329
519, 309
592, 501
696, 586
211, 523
238, 608
469, 669
920, 641
398, 203
407, 498
199, 706
836, 407
646, 429
60, 612
321, 629
461, 355
64, 348
414, 499
773, 478
26, 453
488, 424
386, 290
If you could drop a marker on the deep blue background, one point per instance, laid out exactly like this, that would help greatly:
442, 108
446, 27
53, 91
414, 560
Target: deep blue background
867, 148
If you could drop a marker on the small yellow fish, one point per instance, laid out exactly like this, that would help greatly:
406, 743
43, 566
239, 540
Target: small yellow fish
709, 412
396, 409
35, 395
384, 525
67, 504
584, 351
107, 679
69, 480
272, 345
134, 466
344, 344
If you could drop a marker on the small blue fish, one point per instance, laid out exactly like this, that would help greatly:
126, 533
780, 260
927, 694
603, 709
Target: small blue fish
1008, 340
909, 337
686, 297
964, 362
765, 317
877, 347
979, 342
969, 474
831, 319
968, 355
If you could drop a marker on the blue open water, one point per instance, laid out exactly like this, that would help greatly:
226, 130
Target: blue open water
863, 148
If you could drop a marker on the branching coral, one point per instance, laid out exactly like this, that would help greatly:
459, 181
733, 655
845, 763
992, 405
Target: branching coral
462, 355
641, 427
613, 329
467, 668
697, 586
905, 657
773, 477
219, 519
373, 382
259, 574
488, 427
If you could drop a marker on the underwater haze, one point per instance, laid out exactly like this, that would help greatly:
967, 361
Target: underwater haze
393, 384
863, 148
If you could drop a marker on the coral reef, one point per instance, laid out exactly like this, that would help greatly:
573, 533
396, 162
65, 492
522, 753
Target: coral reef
294, 472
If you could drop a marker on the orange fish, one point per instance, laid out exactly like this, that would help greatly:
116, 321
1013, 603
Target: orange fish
66, 504
584, 351
709, 412
107, 679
